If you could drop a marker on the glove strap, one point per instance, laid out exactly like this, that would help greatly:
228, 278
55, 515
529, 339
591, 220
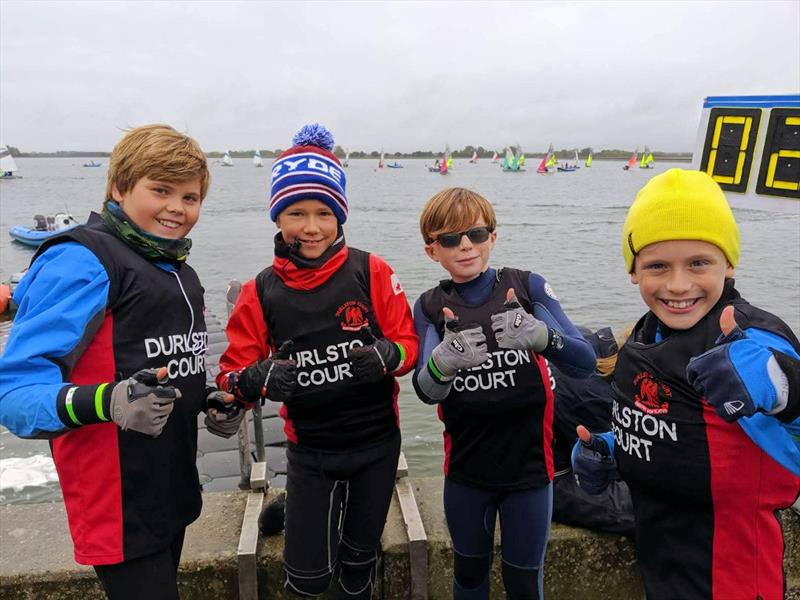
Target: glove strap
402, 357
266, 382
436, 373
78, 405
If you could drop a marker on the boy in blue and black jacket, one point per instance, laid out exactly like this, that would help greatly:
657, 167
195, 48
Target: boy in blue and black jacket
706, 415
108, 311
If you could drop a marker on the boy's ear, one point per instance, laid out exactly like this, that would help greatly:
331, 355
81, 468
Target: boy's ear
634, 278
115, 195
729, 271
430, 250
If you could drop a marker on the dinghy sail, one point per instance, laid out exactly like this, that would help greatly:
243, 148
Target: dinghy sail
8, 167
647, 162
632, 160
257, 162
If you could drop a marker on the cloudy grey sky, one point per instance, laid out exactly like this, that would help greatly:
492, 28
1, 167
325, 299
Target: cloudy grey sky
403, 76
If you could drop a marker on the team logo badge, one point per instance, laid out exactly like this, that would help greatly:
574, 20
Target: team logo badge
653, 397
352, 315
549, 291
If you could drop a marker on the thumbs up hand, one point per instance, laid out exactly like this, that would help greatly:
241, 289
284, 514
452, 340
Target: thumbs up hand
274, 378
517, 329
738, 376
376, 358
462, 347
593, 461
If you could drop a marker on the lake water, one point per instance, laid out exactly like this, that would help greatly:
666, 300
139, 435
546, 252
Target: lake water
566, 226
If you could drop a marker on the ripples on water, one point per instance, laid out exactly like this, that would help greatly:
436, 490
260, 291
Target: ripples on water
565, 226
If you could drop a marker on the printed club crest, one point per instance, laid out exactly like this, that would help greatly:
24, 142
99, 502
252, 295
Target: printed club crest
653, 397
352, 315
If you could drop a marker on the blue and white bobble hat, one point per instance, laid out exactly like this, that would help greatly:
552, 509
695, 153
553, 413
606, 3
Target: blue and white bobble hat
308, 171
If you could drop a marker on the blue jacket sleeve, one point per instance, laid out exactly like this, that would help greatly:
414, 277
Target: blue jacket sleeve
775, 436
62, 300
429, 389
576, 358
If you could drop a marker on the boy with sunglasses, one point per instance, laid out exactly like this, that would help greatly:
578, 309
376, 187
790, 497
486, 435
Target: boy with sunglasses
485, 335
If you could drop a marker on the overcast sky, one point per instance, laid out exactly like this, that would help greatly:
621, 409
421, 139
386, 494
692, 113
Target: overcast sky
402, 76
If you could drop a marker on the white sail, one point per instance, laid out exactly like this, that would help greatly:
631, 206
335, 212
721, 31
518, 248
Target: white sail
227, 161
7, 164
257, 159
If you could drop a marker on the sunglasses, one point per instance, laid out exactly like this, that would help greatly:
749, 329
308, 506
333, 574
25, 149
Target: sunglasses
476, 235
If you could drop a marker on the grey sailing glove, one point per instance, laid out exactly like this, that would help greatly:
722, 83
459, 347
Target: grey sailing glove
223, 413
141, 404
517, 329
463, 347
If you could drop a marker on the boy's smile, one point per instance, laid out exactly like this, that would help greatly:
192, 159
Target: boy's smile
167, 209
465, 261
311, 223
681, 280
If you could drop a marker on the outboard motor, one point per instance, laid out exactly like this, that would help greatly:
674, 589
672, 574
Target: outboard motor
40, 223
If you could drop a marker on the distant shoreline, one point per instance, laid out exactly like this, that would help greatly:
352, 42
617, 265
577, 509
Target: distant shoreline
566, 156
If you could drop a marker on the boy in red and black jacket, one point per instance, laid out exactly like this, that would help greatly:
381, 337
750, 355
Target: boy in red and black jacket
325, 330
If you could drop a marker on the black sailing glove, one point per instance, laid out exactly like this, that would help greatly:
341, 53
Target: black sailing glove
274, 378
375, 359
223, 413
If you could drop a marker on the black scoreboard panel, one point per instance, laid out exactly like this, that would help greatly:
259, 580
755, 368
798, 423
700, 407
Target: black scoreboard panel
779, 174
730, 145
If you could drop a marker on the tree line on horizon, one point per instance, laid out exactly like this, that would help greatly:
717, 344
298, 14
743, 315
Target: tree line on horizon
339, 151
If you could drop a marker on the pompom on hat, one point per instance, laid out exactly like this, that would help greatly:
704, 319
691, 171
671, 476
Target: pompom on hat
680, 205
308, 171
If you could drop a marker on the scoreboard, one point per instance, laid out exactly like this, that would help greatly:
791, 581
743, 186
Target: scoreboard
750, 145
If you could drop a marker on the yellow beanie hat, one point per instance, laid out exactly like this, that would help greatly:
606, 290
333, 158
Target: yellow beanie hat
680, 205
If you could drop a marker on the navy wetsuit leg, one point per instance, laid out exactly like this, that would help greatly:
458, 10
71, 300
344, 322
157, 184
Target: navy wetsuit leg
154, 576
525, 527
471, 514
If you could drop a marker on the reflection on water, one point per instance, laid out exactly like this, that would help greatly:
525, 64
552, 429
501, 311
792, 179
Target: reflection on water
566, 226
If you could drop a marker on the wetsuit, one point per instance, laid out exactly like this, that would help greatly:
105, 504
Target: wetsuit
344, 437
85, 317
498, 430
705, 494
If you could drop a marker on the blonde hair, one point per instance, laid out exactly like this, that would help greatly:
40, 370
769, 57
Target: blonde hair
605, 366
158, 152
454, 209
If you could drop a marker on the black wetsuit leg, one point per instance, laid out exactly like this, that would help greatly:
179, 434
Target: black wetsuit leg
336, 505
154, 576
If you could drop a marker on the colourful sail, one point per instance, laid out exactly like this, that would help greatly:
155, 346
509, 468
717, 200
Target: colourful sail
633, 159
589, 158
647, 159
495, 157
381, 162
546, 161
474, 158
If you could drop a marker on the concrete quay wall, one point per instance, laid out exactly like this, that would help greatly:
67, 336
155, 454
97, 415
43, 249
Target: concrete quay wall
36, 556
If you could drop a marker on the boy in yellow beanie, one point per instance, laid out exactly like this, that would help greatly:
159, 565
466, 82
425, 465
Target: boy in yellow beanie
706, 416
